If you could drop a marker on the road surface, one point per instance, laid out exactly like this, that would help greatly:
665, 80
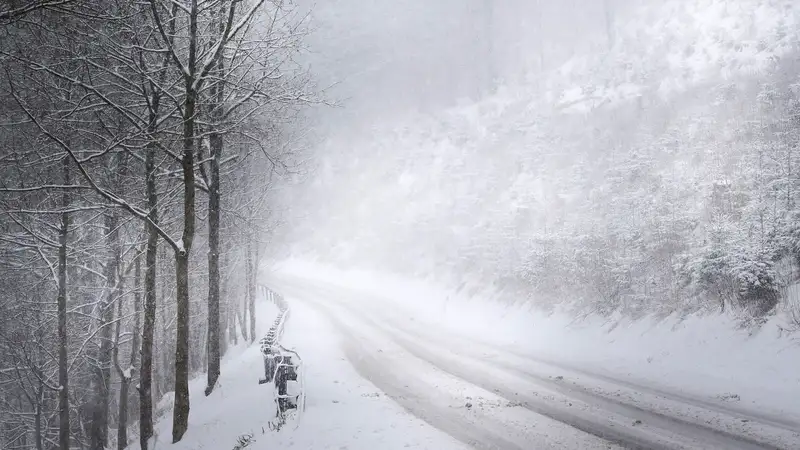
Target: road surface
489, 397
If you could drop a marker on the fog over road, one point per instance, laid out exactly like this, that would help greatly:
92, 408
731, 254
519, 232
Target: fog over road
490, 397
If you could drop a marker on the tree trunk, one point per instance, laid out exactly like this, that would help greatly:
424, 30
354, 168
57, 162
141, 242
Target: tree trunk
246, 304
251, 286
63, 385
98, 431
181, 412
488, 25
125, 376
540, 40
226, 320
608, 10
214, 205
37, 420
180, 417
149, 320
241, 316
213, 265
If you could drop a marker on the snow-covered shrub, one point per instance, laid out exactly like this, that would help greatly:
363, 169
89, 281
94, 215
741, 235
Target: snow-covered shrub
758, 291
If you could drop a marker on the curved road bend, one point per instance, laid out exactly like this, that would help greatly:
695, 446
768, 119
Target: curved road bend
566, 407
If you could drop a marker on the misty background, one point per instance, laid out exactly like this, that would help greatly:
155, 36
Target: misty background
628, 157
393, 58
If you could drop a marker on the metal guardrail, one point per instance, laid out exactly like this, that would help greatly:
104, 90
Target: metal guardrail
282, 367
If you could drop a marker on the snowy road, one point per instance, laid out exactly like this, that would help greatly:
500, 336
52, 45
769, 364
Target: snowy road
490, 397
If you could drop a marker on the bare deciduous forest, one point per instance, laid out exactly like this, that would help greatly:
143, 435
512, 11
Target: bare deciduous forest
138, 147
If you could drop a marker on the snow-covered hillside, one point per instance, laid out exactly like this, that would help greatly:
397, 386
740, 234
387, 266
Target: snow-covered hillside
669, 47
651, 175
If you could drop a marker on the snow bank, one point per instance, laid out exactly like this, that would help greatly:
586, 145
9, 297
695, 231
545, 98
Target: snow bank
706, 356
236, 407
342, 409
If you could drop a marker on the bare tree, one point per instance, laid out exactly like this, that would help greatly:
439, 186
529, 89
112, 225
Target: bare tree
63, 370
129, 102
16, 9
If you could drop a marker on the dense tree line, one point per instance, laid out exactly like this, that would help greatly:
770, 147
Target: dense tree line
623, 182
138, 147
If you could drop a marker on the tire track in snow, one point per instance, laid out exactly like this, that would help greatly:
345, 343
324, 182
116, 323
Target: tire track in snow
424, 400
399, 389
652, 429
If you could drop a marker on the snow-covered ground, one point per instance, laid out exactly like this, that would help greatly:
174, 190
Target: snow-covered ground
385, 368
706, 357
343, 411
525, 400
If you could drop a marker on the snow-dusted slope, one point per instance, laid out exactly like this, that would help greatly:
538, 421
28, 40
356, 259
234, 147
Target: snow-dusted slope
671, 46
630, 178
